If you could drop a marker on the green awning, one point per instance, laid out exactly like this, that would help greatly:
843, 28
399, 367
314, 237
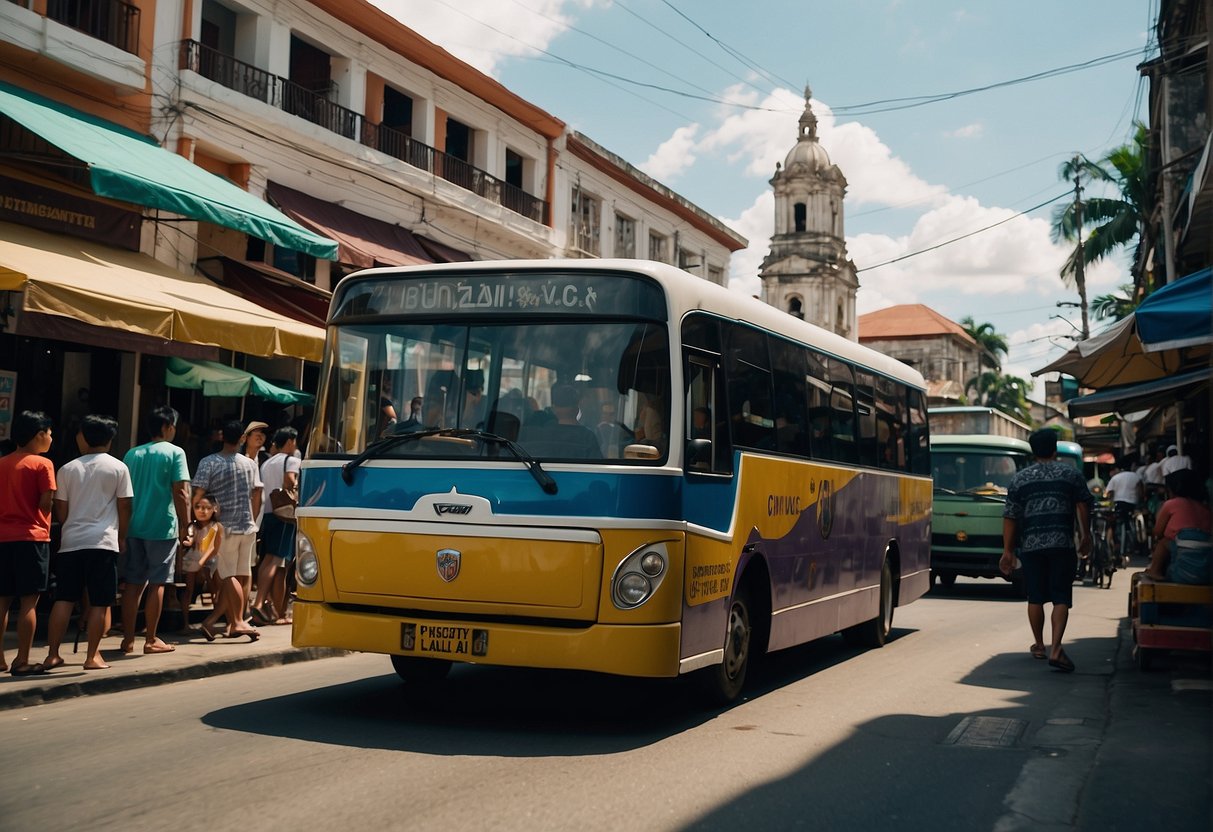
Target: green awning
132, 168
215, 379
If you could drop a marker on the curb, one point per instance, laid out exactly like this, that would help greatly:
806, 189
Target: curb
130, 681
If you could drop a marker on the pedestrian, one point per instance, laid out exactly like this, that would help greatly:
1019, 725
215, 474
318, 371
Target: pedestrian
160, 517
252, 445
205, 535
233, 481
1174, 461
1038, 518
27, 490
93, 504
1183, 518
281, 471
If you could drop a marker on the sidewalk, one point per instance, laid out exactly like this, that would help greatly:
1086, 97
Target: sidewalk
194, 658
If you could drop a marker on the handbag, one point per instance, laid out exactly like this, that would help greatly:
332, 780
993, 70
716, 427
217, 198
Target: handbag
283, 502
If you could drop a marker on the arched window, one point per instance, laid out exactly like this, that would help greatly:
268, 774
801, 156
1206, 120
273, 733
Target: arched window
795, 308
800, 215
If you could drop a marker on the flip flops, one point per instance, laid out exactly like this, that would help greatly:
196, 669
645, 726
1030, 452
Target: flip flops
28, 670
1038, 652
1062, 663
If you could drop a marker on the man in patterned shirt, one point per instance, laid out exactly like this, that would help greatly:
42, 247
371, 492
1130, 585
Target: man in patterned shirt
1042, 501
233, 481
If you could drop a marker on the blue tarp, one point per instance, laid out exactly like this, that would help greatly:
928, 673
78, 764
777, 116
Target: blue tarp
1127, 398
1179, 314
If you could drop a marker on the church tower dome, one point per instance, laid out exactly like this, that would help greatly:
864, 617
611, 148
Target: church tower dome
807, 272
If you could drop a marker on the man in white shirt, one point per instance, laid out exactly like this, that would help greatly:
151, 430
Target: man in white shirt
280, 471
93, 504
1126, 492
1152, 475
1175, 461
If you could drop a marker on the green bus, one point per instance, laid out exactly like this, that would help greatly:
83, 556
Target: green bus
971, 473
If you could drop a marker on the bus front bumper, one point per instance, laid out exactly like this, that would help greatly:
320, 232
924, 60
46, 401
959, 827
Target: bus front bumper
649, 650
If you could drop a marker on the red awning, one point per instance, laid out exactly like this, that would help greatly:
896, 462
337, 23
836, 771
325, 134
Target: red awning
443, 253
362, 241
278, 291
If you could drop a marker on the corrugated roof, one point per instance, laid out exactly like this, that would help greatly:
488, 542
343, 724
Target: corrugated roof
908, 320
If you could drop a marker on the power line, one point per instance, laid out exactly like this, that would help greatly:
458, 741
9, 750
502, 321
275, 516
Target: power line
962, 236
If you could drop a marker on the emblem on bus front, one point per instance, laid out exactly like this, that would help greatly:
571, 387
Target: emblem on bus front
451, 508
448, 564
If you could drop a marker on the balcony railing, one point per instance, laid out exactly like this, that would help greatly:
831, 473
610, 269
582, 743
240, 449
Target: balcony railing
315, 106
112, 21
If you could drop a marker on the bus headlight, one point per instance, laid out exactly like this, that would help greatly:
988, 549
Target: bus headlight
307, 565
638, 575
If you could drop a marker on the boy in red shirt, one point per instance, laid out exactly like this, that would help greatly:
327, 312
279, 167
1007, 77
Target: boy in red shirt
27, 491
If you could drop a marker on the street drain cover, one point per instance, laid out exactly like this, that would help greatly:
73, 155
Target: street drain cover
987, 732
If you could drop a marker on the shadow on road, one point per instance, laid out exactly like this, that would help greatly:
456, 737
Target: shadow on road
512, 712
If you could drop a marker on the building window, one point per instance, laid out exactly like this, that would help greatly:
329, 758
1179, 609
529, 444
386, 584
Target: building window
397, 111
458, 140
659, 250
688, 260
513, 168
796, 308
585, 220
716, 275
625, 236
800, 215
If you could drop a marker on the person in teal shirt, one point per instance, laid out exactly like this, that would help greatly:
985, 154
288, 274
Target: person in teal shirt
160, 516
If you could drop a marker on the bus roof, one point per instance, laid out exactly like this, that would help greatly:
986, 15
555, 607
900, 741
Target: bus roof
1067, 448
979, 440
685, 293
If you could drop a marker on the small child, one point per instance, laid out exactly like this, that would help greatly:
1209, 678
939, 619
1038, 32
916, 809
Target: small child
204, 536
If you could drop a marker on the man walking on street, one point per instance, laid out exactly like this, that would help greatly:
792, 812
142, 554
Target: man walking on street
1042, 501
27, 489
159, 521
93, 504
233, 480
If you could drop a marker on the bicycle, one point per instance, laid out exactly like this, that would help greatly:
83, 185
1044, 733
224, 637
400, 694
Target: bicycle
1124, 534
1101, 562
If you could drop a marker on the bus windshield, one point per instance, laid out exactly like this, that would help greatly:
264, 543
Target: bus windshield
577, 389
975, 472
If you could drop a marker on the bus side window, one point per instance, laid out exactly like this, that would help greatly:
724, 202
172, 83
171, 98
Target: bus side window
751, 411
842, 411
707, 437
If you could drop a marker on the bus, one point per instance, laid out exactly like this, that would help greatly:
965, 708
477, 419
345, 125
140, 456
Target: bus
974, 453
983, 421
620, 468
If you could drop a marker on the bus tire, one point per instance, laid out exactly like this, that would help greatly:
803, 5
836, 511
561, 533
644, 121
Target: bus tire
721, 684
947, 580
420, 673
875, 631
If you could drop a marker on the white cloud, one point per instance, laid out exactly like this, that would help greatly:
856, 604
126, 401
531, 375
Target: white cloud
756, 224
485, 32
969, 131
674, 155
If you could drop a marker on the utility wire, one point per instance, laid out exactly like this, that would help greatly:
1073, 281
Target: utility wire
963, 236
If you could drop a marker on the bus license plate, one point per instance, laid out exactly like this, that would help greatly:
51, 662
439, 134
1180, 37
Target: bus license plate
450, 641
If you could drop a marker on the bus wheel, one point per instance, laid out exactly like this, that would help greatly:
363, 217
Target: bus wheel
947, 580
721, 684
420, 672
875, 631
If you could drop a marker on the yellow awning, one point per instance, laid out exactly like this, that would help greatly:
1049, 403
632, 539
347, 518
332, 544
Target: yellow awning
108, 287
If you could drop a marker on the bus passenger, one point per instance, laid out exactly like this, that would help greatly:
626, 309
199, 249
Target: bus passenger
567, 438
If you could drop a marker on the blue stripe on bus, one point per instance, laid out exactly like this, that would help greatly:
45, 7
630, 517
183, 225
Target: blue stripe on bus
511, 491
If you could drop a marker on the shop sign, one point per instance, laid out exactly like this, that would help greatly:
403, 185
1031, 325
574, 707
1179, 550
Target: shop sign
62, 213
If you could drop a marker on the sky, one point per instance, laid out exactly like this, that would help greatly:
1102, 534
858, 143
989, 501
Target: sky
704, 95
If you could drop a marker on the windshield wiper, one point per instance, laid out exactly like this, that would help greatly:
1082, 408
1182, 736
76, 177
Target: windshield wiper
941, 490
383, 445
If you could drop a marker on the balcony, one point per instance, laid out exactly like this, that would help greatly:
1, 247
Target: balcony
314, 106
112, 21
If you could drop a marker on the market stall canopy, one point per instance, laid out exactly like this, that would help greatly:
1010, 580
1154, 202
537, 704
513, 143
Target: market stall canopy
125, 291
1129, 398
1178, 315
215, 379
132, 168
1115, 356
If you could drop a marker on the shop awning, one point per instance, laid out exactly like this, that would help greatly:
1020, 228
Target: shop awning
362, 241
215, 379
1130, 398
442, 253
129, 292
132, 168
1179, 314
1114, 357
264, 285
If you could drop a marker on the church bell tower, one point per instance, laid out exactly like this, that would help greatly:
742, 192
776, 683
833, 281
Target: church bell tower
807, 272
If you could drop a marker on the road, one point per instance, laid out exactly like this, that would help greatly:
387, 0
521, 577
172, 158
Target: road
827, 738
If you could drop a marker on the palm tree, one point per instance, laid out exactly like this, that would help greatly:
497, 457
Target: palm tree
992, 343
1005, 393
1115, 307
1117, 222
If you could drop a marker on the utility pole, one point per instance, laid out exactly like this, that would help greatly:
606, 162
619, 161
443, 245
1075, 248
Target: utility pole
1080, 279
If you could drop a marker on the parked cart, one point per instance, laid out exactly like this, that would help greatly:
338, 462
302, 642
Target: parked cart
1169, 616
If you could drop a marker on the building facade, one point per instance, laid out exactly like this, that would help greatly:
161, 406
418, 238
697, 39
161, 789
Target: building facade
939, 348
807, 272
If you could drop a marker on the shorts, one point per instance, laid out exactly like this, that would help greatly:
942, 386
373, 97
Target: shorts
149, 561
235, 555
24, 567
278, 538
1048, 576
191, 563
91, 570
